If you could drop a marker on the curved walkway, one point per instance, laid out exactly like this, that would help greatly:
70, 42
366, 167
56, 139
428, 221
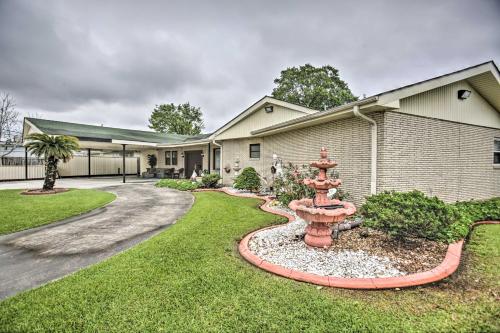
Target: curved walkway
33, 257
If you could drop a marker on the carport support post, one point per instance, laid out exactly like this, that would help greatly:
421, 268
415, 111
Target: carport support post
209, 157
88, 152
123, 166
25, 163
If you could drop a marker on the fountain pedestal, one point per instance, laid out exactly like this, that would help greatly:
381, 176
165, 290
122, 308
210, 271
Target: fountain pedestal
321, 212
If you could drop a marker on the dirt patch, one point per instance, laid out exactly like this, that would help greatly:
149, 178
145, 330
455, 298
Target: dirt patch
40, 191
411, 256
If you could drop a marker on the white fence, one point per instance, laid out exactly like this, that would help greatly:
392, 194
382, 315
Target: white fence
77, 166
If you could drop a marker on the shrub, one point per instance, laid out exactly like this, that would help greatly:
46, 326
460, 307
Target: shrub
210, 180
412, 214
178, 184
247, 180
289, 186
480, 210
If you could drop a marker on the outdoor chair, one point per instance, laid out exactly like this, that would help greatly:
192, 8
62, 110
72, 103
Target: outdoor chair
169, 173
177, 174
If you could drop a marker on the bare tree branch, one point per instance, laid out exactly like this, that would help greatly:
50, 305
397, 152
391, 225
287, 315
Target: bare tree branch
9, 124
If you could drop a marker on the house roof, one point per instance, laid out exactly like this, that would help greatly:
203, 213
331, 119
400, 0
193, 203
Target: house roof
108, 134
266, 100
484, 77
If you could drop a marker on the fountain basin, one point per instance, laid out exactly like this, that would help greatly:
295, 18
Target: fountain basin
306, 210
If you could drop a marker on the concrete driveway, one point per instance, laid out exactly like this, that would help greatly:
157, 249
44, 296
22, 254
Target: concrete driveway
33, 257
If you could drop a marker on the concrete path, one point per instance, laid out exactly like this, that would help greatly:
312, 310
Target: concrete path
33, 257
78, 182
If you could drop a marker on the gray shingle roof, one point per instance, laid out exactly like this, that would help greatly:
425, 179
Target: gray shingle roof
102, 133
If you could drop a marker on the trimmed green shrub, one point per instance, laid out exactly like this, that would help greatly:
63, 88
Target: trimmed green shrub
289, 186
480, 210
412, 214
210, 180
248, 179
178, 184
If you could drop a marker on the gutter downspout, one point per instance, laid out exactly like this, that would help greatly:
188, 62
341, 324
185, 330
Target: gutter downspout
373, 123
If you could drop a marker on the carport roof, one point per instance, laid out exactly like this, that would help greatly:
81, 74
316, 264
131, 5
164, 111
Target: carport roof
107, 134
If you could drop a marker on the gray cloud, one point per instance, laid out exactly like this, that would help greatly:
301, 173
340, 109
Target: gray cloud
111, 62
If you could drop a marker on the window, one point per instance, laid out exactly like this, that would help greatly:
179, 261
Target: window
255, 150
171, 157
496, 151
216, 165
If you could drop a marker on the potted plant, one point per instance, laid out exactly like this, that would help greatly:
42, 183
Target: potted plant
152, 160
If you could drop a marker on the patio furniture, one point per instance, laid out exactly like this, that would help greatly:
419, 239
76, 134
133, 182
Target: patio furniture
177, 174
169, 173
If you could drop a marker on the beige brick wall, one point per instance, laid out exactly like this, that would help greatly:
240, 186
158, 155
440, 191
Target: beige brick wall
347, 140
451, 160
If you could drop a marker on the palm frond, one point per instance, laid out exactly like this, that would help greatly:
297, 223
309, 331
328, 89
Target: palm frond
57, 146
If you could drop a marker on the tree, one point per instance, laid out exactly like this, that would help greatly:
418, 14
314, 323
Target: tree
52, 148
9, 123
179, 119
317, 88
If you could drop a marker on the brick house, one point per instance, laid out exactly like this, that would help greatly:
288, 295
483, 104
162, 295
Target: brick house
441, 136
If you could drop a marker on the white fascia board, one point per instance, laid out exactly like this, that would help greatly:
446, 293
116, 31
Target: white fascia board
187, 144
417, 88
137, 143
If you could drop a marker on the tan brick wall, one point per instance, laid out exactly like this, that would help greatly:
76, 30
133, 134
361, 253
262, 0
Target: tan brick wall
347, 140
451, 160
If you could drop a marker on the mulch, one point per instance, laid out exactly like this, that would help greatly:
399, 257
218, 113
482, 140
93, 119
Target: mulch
40, 191
411, 256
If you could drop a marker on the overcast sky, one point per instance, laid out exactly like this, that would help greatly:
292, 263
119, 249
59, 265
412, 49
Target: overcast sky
111, 62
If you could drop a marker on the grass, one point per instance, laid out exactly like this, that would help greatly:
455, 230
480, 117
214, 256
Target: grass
19, 212
190, 278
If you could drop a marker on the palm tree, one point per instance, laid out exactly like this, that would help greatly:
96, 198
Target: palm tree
52, 148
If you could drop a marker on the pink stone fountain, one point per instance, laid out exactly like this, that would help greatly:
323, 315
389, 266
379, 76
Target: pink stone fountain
321, 212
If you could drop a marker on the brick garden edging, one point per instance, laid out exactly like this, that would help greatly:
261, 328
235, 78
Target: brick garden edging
447, 267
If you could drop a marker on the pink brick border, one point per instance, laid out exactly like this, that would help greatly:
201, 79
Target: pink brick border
447, 267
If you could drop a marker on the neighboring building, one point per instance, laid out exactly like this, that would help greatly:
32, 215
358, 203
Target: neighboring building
441, 136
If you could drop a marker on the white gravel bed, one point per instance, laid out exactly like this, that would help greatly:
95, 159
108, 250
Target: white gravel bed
235, 190
284, 246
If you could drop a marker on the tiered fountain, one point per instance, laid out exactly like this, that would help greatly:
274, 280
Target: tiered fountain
321, 212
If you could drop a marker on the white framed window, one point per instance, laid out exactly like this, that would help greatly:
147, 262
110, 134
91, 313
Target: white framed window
496, 151
171, 157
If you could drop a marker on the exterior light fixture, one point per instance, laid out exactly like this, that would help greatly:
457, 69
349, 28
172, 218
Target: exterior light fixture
202, 155
268, 108
464, 94
182, 155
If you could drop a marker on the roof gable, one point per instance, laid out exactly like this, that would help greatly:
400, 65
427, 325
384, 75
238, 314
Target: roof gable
297, 110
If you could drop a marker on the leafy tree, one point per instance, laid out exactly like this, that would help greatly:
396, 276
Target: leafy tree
179, 119
318, 88
52, 148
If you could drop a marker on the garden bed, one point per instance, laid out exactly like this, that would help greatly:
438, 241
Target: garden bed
357, 253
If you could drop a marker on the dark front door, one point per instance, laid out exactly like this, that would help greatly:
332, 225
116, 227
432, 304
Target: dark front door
193, 162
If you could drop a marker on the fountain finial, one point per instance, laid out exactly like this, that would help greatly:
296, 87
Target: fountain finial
323, 153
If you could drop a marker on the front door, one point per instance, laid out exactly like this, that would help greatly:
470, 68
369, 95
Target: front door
193, 162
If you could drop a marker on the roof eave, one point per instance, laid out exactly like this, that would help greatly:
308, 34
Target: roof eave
303, 121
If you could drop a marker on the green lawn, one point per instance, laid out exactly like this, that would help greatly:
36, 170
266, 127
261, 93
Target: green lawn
191, 278
19, 212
